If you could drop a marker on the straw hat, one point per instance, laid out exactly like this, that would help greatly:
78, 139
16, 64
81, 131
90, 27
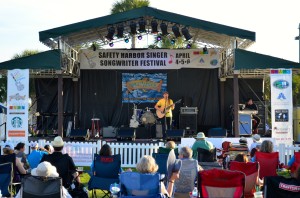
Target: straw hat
200, 135
256, 138
45, 169
58, 142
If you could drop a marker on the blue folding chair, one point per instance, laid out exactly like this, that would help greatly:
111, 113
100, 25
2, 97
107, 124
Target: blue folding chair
106, 172
6, 177
134, 184
161, 161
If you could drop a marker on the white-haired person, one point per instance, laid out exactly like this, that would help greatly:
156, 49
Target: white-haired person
147, 164
36, 154
256, 142
45, 169
201, 142
63, 162
188, 173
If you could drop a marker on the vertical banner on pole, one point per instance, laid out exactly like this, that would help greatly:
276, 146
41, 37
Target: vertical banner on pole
17, 104
282, 105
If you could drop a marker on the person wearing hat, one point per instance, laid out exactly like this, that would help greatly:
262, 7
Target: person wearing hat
256, 141
35, 156
164, 109
63, 162
201, 142
45, 169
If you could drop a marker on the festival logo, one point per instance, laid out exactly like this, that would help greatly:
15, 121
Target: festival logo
17, 122
281, 96
281, 115
281, 84
17, 97
17, 76
144, 84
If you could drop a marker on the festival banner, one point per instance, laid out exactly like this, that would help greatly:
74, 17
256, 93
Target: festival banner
149, 59
143, 87
282, 105
17, 104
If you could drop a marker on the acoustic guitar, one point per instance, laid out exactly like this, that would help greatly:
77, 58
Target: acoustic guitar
161, 114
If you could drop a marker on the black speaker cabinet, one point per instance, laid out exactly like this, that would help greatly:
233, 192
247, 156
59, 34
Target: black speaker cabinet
109, 132
188, 122
142, 133
78, 134
126, 133
175, 133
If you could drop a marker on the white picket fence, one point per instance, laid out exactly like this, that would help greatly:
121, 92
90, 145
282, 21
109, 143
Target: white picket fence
83, 152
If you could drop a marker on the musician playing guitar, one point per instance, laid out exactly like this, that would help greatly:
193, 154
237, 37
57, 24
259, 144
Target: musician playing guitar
164, 109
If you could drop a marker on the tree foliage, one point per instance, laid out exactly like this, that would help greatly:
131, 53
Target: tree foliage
126, 5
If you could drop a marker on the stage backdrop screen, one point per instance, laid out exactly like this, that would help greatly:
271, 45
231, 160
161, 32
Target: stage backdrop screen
143, 87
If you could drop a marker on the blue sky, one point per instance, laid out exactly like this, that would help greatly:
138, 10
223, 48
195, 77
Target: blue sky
275, 22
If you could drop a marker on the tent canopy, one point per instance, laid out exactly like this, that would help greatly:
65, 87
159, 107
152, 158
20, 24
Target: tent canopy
45, 60
251, 60
96, 29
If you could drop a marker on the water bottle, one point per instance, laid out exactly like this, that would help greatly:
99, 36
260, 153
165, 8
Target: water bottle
195, 192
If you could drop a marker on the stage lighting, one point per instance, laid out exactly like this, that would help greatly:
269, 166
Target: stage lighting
110, 34
142, 25
176, 32
140, 37
132, 27
154, 27
120, 30
158, 38
188, 46
186, 33
164, 29
126, 40
111, 44
173, 41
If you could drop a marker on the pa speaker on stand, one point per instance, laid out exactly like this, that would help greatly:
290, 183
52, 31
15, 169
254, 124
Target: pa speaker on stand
188, 120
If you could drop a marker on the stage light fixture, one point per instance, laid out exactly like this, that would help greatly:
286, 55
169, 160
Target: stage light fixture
188, 46
140, 37
142, 25
158, 38
173, 41
154, 25
111, 44
164, 29
176, 32
110, 34
126, 40
186, 33
120, 30
132, 27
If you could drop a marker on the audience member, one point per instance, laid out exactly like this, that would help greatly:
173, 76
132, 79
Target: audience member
63, 162
241, 158
104, 151
147, 164
19, 150
49, 148
256, 141
35, 156
8, 149
292, 165
45, 169
201, 142
266, 147
169, 146
188, 173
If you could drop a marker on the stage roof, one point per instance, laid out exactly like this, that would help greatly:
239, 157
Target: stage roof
45, 60
251, 60
93, 30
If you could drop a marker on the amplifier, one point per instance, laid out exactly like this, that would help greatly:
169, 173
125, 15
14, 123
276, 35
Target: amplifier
188, 110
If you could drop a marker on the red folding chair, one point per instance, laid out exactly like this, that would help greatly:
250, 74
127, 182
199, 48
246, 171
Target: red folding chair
268, 163
221, 183
251, 170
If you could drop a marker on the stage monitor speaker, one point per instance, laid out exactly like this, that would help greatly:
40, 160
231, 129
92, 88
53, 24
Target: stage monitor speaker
142, 133
109, 132
126, 133
217, 132
188, 122
175, 133
78, 134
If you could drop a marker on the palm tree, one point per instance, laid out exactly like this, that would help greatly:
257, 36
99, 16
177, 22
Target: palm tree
125, 5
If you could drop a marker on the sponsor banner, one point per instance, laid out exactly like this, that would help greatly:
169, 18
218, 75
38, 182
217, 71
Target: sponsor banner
149, 59
282, 105
143, 87
17, 104
82, 156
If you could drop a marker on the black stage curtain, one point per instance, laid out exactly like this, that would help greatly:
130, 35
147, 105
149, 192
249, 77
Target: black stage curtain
46, 99
101, 95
